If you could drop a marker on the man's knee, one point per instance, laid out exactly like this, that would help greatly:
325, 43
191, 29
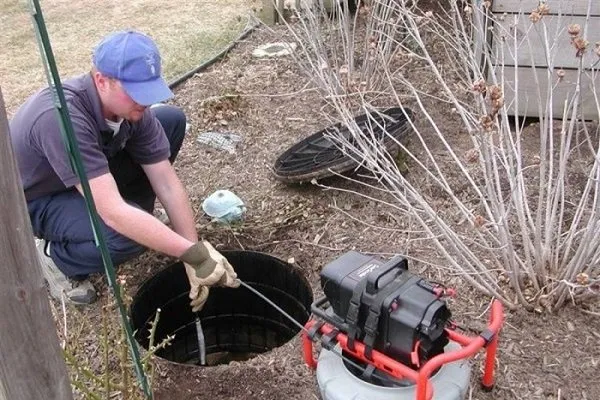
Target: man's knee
169, 116
173, 121
123, 249
120, 247
79, 259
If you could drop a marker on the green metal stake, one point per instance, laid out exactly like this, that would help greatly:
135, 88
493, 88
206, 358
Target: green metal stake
77, 165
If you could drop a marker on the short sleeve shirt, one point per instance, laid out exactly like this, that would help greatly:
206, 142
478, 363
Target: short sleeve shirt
41, 154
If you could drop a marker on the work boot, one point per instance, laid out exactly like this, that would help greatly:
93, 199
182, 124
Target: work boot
76, 292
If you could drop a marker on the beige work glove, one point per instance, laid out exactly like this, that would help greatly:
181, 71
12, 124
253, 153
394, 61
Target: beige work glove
198, 295
206, 267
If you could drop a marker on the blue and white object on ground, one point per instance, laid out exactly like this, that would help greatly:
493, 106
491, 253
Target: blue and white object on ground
224, 207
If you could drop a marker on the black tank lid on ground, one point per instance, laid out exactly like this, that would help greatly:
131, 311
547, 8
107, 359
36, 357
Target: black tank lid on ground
318, 156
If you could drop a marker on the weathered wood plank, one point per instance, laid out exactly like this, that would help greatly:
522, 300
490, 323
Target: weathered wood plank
531, 90
268, 12
31, 363
530, 41
566, 7
481, 35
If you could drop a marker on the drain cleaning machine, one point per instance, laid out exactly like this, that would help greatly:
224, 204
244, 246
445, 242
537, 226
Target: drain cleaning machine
386, 333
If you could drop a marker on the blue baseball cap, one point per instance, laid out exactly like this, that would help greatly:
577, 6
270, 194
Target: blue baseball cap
133, 58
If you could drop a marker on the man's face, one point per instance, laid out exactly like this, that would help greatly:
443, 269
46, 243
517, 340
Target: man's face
122, 104
115, 100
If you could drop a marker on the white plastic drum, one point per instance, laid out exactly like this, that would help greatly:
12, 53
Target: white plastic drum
451, 382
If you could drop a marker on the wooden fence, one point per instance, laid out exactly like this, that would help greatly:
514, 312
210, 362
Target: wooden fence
532, 53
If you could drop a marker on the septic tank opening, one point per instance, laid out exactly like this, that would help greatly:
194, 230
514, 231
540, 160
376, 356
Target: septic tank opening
236, 323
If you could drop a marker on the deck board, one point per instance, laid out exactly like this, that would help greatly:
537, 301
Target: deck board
529, 47
531, 90
567, 7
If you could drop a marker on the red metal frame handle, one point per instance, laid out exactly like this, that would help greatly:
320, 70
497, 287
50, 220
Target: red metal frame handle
379, 360
470, 346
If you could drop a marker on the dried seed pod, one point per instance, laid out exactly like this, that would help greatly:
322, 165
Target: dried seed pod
583, 279
574, 29
535, 16
472, 156
561, 73
581, 45
487, 122
543, 9
479, 86
498, 103
495, 92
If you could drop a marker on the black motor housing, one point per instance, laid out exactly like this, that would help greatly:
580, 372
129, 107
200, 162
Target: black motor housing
411, 315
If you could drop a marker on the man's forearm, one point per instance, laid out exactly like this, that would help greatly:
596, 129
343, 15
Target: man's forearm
179, 210
132, 222
173, 197
146, 230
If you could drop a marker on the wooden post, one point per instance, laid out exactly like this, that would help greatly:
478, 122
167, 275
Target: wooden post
31, 362
272, 11
280, 8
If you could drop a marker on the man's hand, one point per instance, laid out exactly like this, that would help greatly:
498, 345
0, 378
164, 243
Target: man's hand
206, 267
198, 294
210, 267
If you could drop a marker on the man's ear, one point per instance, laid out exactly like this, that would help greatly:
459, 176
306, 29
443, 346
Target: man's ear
102, 81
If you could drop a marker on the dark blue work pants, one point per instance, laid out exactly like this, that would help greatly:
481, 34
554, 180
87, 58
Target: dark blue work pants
62, 218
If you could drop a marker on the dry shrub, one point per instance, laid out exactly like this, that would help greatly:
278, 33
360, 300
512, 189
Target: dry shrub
517, 211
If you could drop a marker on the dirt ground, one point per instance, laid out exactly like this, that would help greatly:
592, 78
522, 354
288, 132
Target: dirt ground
548, 356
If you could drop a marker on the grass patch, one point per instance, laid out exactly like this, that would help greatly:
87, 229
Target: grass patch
192, 50
187, 33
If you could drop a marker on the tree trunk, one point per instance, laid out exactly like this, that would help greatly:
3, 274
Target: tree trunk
31, 362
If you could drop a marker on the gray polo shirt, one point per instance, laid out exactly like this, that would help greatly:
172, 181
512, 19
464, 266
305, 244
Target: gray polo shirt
42, 157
